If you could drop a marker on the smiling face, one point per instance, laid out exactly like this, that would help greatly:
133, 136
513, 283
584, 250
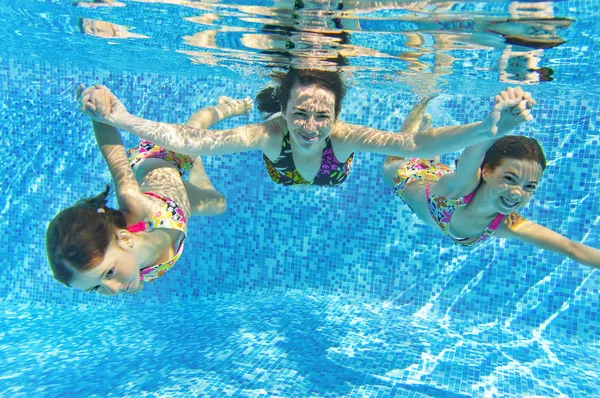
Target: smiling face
118, 272
310, 115
511, 184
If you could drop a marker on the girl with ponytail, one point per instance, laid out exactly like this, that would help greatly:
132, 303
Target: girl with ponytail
93, 247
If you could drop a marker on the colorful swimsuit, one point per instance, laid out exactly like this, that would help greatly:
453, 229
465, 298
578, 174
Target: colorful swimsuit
146, 149
171, 215
441, 208
283, 170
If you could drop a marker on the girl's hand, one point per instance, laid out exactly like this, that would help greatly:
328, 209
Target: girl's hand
512, 108
100, 104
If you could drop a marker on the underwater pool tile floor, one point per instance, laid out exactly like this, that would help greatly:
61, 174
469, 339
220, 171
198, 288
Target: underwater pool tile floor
276, 345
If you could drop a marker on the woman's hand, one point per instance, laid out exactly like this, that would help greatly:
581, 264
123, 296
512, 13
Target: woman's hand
100, 104
512, 108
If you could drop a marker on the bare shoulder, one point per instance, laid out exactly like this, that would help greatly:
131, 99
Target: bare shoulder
136, 207
275, 129
341, 140
343, 131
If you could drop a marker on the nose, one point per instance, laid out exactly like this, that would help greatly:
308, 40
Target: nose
516, 192
311, 124
113, 286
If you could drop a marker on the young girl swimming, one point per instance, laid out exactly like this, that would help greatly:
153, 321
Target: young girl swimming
480, 200
93, 247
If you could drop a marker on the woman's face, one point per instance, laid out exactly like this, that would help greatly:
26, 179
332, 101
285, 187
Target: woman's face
511, 184
310, 115
118, 272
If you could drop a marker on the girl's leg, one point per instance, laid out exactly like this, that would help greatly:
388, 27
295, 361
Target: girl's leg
416, 120
204, 198
226, 107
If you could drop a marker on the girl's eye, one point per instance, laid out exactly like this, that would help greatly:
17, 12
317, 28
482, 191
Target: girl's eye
509, 179
322, 117
530, 188
110, 273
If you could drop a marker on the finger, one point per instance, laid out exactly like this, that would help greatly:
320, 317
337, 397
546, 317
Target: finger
510, 92
518, 92
504, 96
531, 102
103, 87
78, 91
526, 115
83, 101
506, 104
498, 99
87, 91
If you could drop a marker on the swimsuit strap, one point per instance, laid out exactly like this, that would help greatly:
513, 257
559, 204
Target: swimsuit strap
442, 208
170, 216
496, 222
331, 172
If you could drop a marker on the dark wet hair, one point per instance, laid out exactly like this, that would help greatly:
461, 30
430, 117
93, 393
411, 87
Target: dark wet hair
534, 42
514, 147
274, 99
538, 42
77, 238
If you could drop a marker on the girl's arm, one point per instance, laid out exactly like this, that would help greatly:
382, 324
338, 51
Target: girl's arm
180, 138
528, 231
127, 189
434, 141
468, 171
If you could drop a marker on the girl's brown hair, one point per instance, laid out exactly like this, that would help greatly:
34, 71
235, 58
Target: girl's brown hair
274, 99
514, 147
77, 238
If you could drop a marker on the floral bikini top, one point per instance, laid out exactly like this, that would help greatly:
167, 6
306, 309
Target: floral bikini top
283, 170
170, 216
442, 208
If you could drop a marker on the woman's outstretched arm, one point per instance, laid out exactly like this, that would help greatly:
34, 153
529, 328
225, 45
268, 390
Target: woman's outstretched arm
103, 106
512, 110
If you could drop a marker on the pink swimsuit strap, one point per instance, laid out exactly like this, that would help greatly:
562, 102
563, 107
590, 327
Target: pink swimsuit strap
142, 226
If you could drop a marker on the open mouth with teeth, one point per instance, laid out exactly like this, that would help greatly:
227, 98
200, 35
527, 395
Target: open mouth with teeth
508, 203
309, 138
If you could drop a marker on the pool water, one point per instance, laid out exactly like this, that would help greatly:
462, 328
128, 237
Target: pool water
295, 293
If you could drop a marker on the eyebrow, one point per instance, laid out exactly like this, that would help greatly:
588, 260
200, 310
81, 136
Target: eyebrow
305, 110
517, 177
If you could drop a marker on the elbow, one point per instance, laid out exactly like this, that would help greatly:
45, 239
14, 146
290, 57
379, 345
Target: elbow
220, 206
217, 206
584, 254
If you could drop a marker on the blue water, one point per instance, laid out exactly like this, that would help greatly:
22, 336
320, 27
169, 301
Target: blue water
328, 292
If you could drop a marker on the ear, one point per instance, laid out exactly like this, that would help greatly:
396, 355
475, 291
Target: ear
486, 171
125, 239
282, 112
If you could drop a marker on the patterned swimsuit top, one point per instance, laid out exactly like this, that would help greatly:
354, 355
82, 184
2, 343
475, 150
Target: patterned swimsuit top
442, 208
170, 216
283, 170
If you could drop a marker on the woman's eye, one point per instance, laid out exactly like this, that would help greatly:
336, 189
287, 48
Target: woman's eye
110, 273
509, 179
322, 117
